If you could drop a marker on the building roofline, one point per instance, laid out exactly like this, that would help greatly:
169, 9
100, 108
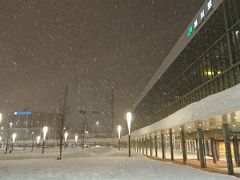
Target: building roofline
179, 46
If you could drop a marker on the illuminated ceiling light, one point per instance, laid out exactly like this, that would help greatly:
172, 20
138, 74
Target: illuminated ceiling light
207, 129
219, 127
234, 125
235, 117
189, 127
200, 125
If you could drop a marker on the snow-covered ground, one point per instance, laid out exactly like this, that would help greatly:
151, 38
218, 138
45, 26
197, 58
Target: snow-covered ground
94, 164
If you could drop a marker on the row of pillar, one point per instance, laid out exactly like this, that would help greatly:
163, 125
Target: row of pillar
202, 147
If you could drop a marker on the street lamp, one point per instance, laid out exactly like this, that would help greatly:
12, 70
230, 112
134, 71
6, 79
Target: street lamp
45, 130
65, 139
129, 119
14, 135
10, 124
97, 125
32, 140
8, 137
76, 139
38, 140
119, 128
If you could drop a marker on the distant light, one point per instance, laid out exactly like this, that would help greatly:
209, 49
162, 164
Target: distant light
234, 125
0, 138
219, 127
10, 124
86, 132
22, 113
207, 129
14, 135
76, 138
2, 128
237, 32
65, 136
200, 125
235, 117
0, 117
97, 123
38, 139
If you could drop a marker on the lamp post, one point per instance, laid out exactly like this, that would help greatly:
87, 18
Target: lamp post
76, 139
129, 119
38, 140
65, 139
14, 135
32, 140
8, 137
45, 130
119, 128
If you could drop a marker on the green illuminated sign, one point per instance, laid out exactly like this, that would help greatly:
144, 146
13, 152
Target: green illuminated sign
190, 31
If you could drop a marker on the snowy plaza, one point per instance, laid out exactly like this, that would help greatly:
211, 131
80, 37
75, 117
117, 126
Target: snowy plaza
95, 163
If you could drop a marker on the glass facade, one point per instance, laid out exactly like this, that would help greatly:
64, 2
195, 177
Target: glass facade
210, 63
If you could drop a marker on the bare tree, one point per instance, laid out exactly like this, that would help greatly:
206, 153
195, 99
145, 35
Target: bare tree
62, 118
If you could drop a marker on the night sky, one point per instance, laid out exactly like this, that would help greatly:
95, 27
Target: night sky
45, 44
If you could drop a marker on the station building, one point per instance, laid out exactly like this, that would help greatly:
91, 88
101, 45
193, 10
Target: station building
191, 105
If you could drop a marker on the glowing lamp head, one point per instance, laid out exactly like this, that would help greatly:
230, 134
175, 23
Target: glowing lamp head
65, 136
119, 128
38, 139
14, 135
76, 138
10, 124
129, 119
45, 130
